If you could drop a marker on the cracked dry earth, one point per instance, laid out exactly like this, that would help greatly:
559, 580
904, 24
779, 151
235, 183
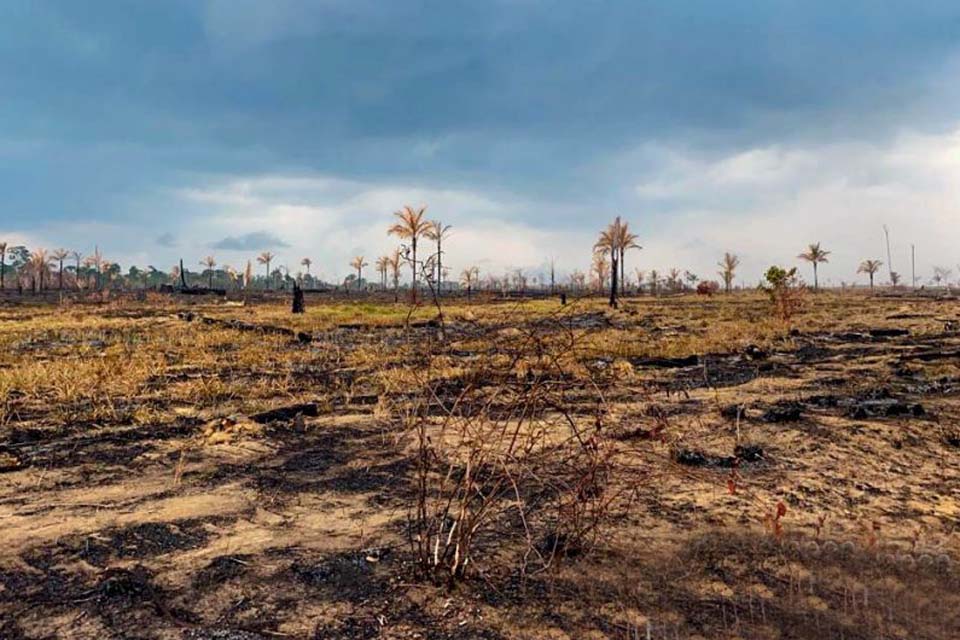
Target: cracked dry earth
163, 478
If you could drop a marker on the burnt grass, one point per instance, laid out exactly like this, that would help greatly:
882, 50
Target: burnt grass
131, 581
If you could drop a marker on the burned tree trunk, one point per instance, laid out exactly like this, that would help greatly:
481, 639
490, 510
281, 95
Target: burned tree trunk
613, 281
298, 306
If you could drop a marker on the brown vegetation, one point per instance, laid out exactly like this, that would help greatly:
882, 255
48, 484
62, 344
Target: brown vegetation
683, 467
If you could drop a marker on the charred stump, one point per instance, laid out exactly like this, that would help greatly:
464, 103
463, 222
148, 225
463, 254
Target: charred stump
298, 306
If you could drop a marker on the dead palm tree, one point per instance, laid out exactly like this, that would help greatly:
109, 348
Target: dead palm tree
3, 263
39, 264
76, 256
625, 240
728, 268
96, 261
469, 277
411, 226
358, 264
437, 231
815, 255
209, 262
307, 262
394, 265
870, 267
60, 255
265, 258
383, 264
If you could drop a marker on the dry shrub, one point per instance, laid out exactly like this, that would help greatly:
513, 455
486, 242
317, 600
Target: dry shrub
507, 479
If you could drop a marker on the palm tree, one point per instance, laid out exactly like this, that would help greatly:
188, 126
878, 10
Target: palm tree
209, 262
815, 255
411, 226
728, 267
609, 244
436, 231
383, 263
395, 272
60, 255
3, 263
625, 240
870, 267
306, 262
358, 264
469, 277
264, 259
76, 256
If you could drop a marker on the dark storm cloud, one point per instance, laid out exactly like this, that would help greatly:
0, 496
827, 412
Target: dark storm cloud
254, 241
106, 105
167, 240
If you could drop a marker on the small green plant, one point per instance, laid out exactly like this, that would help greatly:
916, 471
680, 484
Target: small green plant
785, 291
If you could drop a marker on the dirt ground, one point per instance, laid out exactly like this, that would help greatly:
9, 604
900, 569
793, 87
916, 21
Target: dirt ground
210, 470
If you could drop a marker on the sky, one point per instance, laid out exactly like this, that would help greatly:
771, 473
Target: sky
185, 128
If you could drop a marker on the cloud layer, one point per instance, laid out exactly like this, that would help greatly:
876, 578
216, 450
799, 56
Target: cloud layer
753, 126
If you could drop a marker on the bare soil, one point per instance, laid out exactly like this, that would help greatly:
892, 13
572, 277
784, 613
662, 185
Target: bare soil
169, 471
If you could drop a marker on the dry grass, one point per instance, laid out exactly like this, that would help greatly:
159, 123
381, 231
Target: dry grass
130, 437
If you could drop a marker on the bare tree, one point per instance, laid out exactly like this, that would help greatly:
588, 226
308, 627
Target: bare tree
600, 269
437, 232
469, 277
941, 275
640, 276
578, 280
654, 282
96, 261
728, 269
209, 262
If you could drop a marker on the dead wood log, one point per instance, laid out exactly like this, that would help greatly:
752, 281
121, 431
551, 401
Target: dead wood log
238, 325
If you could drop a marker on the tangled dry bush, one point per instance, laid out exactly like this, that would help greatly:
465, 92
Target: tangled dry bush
508, 479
